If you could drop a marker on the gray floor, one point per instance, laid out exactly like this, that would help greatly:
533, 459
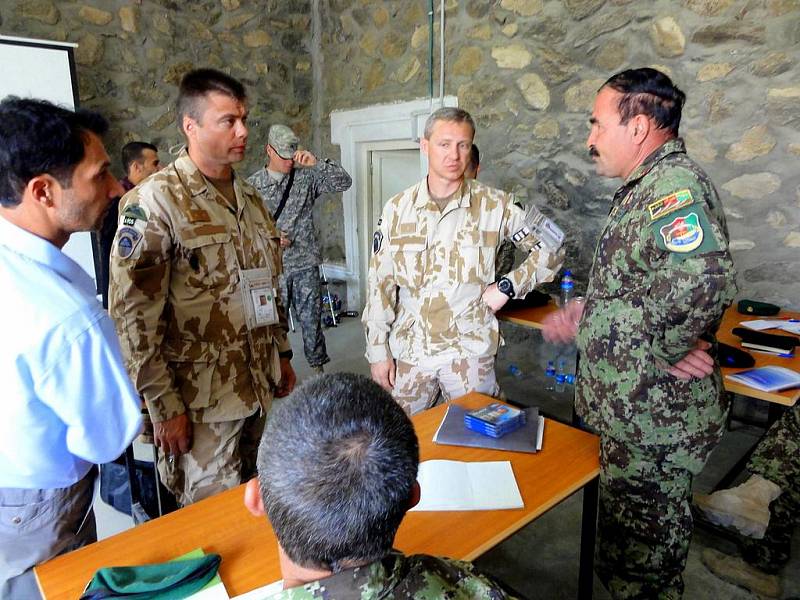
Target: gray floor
541, 561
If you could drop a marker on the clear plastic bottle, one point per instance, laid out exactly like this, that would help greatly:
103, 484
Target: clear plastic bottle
570, 379
567, 288
515, 371
561, 377
550, 373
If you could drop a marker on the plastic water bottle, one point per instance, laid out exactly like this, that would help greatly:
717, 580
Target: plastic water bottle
550, 373
567, 287
515, 371
570, 378
561, 377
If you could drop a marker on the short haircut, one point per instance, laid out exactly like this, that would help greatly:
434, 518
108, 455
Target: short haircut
450, 114
197, 84
337, 465
38, 137
474, 158
132, 152
651, 93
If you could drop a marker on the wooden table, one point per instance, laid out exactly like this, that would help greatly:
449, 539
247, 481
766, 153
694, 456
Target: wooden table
568, 462
527, 317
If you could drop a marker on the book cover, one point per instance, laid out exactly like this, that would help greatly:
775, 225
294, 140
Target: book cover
496, 414
452, 432
767, 379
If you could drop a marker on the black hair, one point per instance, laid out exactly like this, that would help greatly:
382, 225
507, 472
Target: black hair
197, 84
132, 152
337, 465
38, 137
648, 92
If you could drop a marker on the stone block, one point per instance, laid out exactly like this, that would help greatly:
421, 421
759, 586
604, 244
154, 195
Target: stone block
580, 9
515, 56
524, 8
732, 31
783, 105
95, 16
89, 50
129, 18
756, 141
257, 39
667, 37
605, 23
43, 11
468, 61
712, 71
534, 91
580, 97
773, 63
753, 186
708, 8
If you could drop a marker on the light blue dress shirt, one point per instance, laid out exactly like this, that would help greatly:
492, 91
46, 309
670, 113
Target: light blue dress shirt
67, 401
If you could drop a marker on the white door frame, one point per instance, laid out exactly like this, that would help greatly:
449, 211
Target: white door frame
357, 132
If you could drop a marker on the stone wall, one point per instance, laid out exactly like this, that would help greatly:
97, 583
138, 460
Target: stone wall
132, 55
528, 71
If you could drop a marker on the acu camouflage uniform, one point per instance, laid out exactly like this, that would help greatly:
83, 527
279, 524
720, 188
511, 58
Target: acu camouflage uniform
777, 458
428, 271
662, 278
416, 577
177, 304
300, 283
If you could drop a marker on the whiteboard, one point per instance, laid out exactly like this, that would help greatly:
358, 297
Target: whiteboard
46, 70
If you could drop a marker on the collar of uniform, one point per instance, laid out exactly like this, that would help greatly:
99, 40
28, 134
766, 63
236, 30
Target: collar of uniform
673, 146
197, 184
424, 196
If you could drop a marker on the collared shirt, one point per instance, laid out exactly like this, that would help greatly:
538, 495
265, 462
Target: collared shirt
429, 268
416, 577
662, 277
67, 400
297, 216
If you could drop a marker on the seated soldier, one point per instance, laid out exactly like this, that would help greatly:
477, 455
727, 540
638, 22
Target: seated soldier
337, 470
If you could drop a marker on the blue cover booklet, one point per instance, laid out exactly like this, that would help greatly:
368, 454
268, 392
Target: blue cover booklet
767, 379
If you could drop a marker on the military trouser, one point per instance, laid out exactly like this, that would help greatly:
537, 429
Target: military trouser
419, 387
644, 521
302, 291
36, 525
222, 456
777, 458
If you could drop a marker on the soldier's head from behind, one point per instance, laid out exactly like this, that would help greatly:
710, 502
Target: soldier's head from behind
54, 171
447, 142
634, 113
281, 147
140, 160
212, 113
337, 471
474, 165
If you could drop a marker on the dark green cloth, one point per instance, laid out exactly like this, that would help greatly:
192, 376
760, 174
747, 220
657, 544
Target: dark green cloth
172, 580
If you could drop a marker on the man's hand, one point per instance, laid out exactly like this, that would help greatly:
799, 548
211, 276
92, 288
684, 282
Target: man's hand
173, 436
494, 298
304, 158
561, 327
383, 373
285, 241
288, 379
697, 363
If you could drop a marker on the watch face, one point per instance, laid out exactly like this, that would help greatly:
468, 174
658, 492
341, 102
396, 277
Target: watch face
505, 286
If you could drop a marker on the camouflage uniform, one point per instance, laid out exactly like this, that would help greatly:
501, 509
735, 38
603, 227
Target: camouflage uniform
300, 283
505, 259
428, 271
416, 577
176, 299
777, 458
662, 277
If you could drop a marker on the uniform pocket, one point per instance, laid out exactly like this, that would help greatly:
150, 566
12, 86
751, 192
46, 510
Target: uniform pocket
193, 371
206, 262
408, 258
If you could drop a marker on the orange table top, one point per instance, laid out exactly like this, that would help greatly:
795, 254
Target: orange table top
568, 460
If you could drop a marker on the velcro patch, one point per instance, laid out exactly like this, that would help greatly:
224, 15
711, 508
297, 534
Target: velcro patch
683, 234
377, 240
669, 204
127, 240
135, 216
521, 235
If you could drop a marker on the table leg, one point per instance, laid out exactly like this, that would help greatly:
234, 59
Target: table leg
588, 535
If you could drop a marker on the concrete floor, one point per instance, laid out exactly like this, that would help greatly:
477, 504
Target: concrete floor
541, 560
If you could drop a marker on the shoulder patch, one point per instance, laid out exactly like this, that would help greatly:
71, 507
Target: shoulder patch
683, 234
377, 240
134, 216
127, 240
669, 204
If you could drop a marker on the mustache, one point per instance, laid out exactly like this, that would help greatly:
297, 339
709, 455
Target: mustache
593, 152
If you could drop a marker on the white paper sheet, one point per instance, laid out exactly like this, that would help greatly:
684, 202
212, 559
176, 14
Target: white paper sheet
262, 593
454, 485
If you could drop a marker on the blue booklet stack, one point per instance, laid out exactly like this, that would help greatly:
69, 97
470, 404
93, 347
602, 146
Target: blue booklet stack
495, 420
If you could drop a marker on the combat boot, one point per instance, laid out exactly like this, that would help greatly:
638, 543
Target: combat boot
736, 571
744, 508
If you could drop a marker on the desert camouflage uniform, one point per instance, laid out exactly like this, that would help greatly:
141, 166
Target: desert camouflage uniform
300, 282
416, 577
777, 458
650, 296
428, 271
505, 259
177, 304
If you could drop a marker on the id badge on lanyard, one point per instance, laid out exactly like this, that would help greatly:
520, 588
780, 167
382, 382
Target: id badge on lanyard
258, 297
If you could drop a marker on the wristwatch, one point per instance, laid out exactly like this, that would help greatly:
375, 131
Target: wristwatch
505, 286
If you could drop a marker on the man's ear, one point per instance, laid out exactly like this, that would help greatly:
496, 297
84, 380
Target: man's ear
640, 127
252, 498
188, 125
42, 189
413, 500
423, 146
